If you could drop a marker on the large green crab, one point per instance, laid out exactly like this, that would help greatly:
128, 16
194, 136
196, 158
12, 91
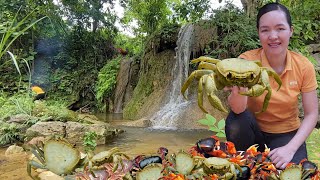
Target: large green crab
57, 155
60, 157
214, 75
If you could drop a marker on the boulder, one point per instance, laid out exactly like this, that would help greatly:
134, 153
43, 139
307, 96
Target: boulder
73, 131
13, 149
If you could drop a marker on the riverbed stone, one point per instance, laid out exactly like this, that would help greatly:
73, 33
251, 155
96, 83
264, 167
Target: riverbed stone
73, 131
48, 175
13, 149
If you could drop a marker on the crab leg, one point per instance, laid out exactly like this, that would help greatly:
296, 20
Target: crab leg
210, 87
194, 74
35, 164
205, 65
200, 93
275, 76
255, 91
205, 59
216, 102
38, 153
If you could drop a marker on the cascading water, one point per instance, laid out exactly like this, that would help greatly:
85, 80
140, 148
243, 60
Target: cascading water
167, 116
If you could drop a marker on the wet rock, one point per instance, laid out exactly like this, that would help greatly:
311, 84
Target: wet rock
13, 149
48, 175
36, 140
73, 131
138, 123
314, 48
89, 118
19, 118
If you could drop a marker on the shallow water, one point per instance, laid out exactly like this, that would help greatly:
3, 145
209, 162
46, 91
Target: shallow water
137, 140
134, 141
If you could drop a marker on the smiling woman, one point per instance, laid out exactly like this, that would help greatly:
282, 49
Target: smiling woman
279, 127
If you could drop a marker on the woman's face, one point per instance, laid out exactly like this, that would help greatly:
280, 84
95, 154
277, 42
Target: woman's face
274, 32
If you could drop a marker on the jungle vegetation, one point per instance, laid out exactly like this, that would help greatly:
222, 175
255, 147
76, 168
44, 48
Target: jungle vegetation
70, 48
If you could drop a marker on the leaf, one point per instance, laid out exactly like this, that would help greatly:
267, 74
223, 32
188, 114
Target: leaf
204, 122
221, 124
214, 129
211, 119
14, 61
220, 134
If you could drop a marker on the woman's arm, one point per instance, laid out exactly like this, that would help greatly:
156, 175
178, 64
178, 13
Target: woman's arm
283, 155
237, 102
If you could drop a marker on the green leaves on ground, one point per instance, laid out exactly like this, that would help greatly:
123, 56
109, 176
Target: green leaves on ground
89, 141
213, 125
313, 146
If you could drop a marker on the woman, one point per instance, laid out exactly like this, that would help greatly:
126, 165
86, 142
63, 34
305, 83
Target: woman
279, 126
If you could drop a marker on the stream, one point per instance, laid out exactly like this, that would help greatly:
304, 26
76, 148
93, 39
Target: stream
136, 140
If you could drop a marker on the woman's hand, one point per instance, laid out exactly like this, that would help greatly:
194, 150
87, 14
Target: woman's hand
237, 102
281, 156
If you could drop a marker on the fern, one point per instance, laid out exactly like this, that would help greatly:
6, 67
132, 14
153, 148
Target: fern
107, 79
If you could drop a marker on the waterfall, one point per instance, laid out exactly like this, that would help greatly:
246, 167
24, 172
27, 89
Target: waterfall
167, 116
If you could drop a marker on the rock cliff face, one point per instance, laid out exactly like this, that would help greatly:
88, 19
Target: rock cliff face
157, 74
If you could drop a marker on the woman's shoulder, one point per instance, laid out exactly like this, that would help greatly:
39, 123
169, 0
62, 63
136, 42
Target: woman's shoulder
253, 54
299, 58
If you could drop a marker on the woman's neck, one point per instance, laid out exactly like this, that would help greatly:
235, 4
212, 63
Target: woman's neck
277, 62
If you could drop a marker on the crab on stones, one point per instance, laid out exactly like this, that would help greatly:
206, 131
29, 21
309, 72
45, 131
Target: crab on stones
96, 161
305, 170
221, 167
214, 75
56, 155
195, 167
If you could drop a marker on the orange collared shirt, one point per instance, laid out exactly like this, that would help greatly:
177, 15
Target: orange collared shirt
282, 113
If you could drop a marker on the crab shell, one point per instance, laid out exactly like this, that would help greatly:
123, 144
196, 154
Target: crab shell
222, 167
238, 72
215, 165
61, 157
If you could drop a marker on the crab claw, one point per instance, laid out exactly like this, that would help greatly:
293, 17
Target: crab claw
195, 74
252, 150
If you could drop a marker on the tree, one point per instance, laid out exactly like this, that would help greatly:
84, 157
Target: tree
90, 14
149, 14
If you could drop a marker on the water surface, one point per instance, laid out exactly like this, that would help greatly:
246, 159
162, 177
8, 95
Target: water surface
136, 141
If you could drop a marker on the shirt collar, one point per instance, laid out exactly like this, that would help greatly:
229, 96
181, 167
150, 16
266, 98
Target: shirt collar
265, 62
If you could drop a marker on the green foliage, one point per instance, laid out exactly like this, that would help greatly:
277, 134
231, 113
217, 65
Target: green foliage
12, 30
313, 146
306, 25
89, 14
16, 104
133, 45
9, 133
75, 69
236, 33
54, 110
149, 14
212, 124
107, 79
89, 141
190, 10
